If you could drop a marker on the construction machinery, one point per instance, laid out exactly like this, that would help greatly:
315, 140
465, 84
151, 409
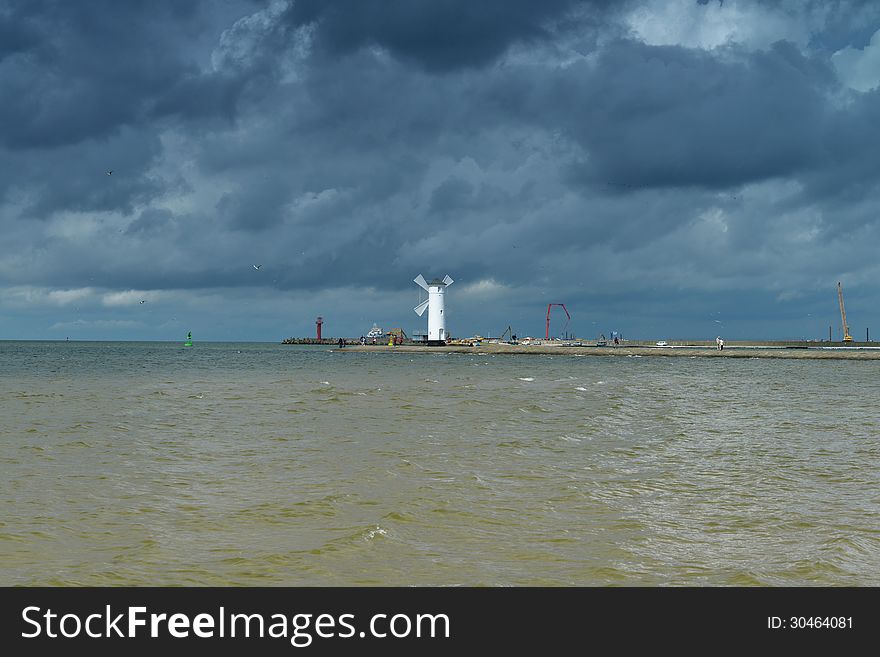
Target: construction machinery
549, 306
509, 333
846, 336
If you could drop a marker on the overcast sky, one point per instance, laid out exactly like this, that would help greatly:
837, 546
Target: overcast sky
666, 168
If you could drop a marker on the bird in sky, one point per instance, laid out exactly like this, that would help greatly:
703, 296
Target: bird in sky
143, 300
257, 266
109, 172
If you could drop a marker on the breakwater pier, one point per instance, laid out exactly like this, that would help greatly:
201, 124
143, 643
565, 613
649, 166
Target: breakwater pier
736, 350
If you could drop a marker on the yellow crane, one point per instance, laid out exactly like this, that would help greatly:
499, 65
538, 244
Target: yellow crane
846, 336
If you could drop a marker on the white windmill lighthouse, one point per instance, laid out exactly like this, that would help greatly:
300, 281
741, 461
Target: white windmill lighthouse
434, 303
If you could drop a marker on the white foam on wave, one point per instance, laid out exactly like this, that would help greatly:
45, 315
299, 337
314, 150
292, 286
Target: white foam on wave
526, 378
600, 383
581, 389
373, 532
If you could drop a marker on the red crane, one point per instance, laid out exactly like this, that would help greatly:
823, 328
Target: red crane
318, 323
549, 306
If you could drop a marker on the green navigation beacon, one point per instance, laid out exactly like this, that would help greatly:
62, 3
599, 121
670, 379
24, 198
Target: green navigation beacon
189, 339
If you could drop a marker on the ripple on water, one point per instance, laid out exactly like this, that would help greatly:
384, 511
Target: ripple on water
294, 466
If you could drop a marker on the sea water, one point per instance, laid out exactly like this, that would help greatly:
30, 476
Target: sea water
265, 464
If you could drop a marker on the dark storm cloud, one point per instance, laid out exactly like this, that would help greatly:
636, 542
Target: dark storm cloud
515, 145
89, 68
843, 22
637, 118
849, 148
669, 116
151, 221
200, 96
15, 36
85, 88
254, 207
77, 71
440, 36
451, 194
74, 178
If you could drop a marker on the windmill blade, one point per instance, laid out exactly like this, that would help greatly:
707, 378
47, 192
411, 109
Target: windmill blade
420, 309
448, 280
420, 281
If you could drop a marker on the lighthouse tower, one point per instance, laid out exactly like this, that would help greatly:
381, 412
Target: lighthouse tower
436, 289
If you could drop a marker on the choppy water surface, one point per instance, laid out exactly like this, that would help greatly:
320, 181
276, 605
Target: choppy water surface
242, 464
